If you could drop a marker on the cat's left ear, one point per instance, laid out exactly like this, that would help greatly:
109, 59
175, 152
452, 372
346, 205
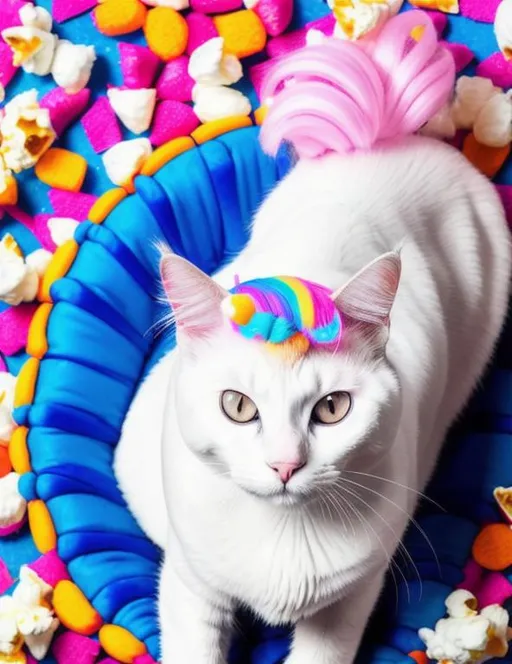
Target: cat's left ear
366, 300
195, 298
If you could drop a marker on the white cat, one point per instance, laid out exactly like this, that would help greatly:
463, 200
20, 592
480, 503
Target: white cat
288, 482
317, 558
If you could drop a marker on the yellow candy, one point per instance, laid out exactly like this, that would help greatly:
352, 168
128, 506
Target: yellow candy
120, 644
37, 344
166, 32
26, 383
243, 309
18, 451
74, 609
62, 169
243, 32
447, 6
105, 204
41, 526
61, 262
119, 17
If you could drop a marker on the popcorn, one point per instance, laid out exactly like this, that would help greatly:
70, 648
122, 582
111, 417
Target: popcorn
12, 504
447, 6
471, 95
209, 65
493, 125
32, 48
36, 17
503, 28
504, 499
11, 640
72, 65
466, 635
124, 160
18, 281
26, 131
358, 18
61, 229
38, 261
133, 107
315, 37
38, 643
7, 423
441, 125
217, 102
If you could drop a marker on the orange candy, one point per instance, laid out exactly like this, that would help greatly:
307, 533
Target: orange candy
447, 6
492, 549
243, 32
74, 609
5, 462
10, 195
166, 32
419, 656
119, 17
488, 160
62, 169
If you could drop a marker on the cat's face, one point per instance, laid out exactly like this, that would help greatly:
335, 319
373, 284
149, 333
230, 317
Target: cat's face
284, 430
282, 426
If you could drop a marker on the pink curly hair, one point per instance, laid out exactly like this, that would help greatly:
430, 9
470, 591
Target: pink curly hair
339, 96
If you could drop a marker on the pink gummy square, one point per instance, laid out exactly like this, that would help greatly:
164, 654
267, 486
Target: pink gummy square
62, 10
258, 73
201, 29
215, 6
479, 10
14, 324
139, 65
495, 589
71, 204
461, 54
6, 579
42, 232
7, 69
9, 14
71, 648
64, 109
497, 69
440, 21
50, 568
286, 43
325, 24
101, 126
174, 82
144, 659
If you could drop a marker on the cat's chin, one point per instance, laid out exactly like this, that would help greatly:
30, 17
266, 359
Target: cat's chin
284, 498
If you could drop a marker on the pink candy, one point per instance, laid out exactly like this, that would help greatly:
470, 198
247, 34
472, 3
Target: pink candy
144, 659
461, 54
286, 43
201, 29
62, 10
101, 126
7, 69
14, 324
440, 21
138, 65
325, 24
257, 74
497, 69
9, 14
215, 6
42, 232
64, 109
495, 589
6, 579
275, 15
71, 648
172, 119
74, 205
174, 82
479, 10
50, 568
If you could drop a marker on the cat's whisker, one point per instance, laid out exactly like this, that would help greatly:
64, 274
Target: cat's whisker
388, 525
402, 486
404, 511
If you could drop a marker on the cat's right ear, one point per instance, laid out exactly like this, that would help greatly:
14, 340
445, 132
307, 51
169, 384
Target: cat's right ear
194, 297
365, 302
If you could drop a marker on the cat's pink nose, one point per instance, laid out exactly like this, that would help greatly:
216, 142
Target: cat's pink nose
286, 470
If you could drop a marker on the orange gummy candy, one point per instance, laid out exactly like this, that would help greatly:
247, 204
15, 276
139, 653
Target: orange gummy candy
62, 169
243, 32
119, 17
487, 160
166, 32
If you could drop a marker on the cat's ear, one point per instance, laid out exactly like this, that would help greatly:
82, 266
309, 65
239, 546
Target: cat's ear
366, 300
195, 298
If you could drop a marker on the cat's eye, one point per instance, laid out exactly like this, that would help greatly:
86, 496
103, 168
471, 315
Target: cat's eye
332, 408
238, 407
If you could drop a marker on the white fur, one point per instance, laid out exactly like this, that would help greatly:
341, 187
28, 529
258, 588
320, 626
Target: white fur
317, 555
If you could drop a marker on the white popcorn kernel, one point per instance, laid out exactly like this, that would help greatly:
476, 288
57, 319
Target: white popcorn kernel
72, 65
11, 640
7, 423
493, 125
36, 17
12, 504
217, 102
361, 19
503, 28
26, 131
61, 229
38, 643
125, 160
471, 95
39, 260
18, 282
315, 37
209, 65
133, 107
33, 49
461, 603
441, 125
31, 589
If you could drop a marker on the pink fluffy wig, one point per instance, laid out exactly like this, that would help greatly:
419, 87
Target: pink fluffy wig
340, 96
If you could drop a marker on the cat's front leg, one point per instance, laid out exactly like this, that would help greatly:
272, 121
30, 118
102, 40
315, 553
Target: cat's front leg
194, 627
333, 635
